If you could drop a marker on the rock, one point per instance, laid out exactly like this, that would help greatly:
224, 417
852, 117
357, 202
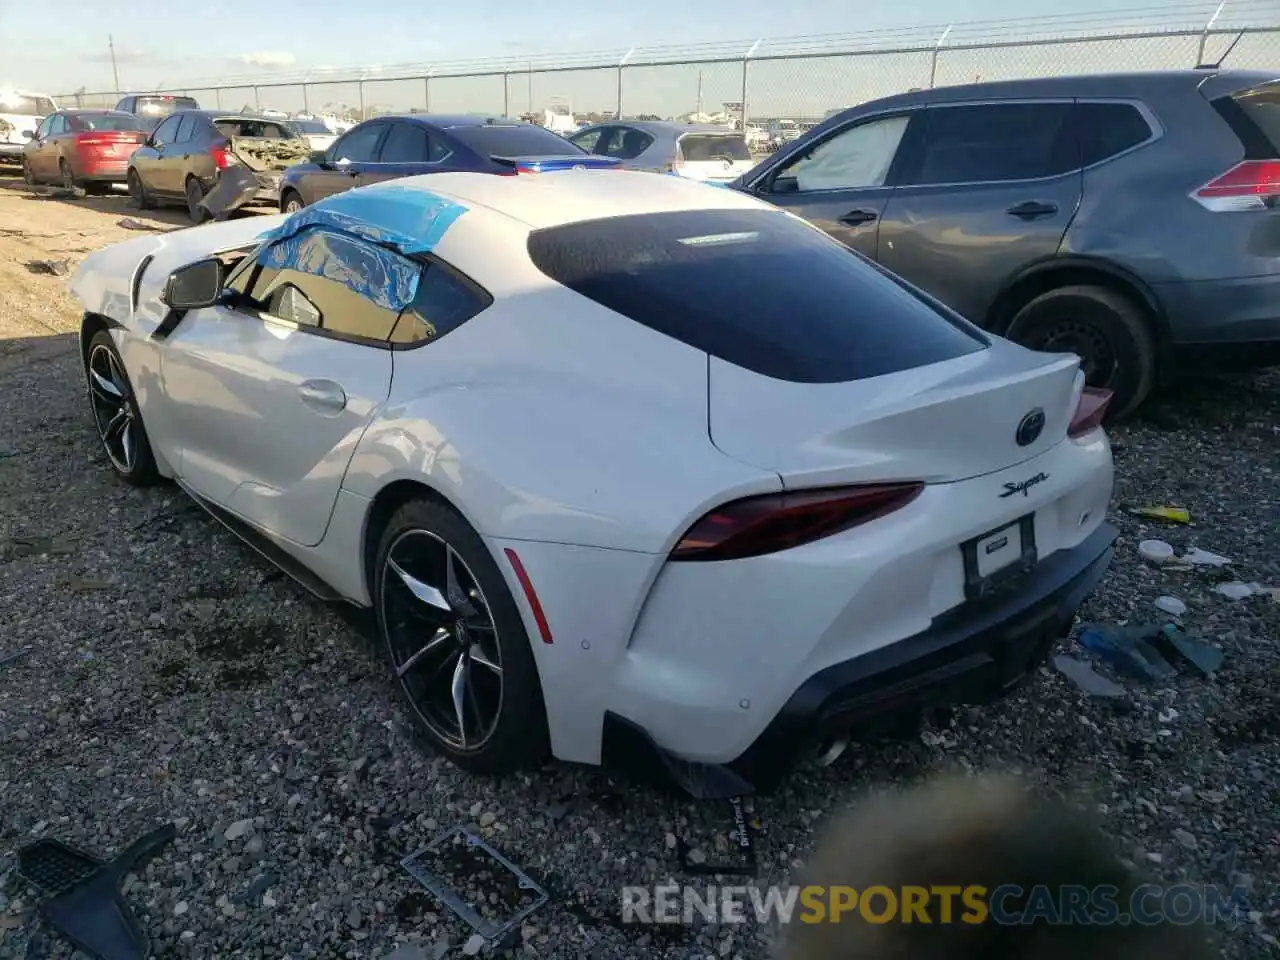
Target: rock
238, 829
180, 908
1186, 839
486, 819
473, 946
1085, 678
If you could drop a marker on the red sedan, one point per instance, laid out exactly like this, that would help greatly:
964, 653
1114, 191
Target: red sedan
82, 148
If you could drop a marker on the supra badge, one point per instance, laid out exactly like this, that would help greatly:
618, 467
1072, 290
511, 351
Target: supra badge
1024, 486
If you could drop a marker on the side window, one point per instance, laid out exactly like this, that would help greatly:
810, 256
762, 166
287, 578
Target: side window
343, 284
855, 158
443, 302
627, 144
125, 105
1106, 129
994, 142
588, 139
436, 151
185, 128
405, 143
166, 132
42, 131
359, 145
59, 125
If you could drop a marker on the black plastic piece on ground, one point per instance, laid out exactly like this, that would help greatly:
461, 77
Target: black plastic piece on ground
92, 914
628, 749
55, 867
746, 845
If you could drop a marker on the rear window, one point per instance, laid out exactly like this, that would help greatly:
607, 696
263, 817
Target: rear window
757, 288
1107, 129
696, 147
163, 106
310, 126
26, 106
514, 141
105, 121
1254, 115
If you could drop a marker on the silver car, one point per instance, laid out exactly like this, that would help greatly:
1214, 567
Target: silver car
696, 150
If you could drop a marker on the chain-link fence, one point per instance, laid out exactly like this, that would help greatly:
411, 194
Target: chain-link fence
765, 81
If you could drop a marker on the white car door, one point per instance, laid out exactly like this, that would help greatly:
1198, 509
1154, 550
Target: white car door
271, 392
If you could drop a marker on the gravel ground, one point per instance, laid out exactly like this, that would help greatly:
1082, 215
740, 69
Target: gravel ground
172, 676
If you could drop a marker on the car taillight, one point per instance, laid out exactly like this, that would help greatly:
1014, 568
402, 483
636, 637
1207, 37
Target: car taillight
1089, 411
754, 526
219, 155
1251, 185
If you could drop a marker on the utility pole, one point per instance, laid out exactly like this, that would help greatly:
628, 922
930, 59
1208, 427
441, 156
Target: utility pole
115, 71
699, 108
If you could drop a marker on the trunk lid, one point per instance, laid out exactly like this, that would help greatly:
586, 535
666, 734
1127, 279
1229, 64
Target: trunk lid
940, 423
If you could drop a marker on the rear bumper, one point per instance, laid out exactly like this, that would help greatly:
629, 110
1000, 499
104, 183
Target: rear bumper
1225, 317
103, 171
971, 655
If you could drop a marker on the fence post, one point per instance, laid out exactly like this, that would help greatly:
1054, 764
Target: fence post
530, 107
360, 91
257, 99
426, 83
746, 57
622, 63
1204, 35
217, 97
933, 60
506, 94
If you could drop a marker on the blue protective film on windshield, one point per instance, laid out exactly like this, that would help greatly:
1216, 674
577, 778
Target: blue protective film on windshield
376, 273
410, 219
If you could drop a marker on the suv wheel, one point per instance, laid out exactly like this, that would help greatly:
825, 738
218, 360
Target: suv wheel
1109, 332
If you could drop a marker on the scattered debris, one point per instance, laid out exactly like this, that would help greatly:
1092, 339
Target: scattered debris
85, 903
129, 223
1086, 678
1171, 605
1157, 551
55, 268
474, 945
89, 585
1171, 514
9, 658
1236, 590
34, 546
257, 890
694, 861
6, 453
458, 858
1150, 652
1203, 558
54, 193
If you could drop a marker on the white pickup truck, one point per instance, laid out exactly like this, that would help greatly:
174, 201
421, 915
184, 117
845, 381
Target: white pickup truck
20, 114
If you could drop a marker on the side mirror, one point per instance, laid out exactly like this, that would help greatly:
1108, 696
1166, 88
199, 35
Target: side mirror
29, 134
195, 285
320, 158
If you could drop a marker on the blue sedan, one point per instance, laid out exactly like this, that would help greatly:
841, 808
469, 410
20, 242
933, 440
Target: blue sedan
408, 145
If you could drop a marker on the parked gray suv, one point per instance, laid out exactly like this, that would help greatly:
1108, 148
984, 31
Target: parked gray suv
1133, 219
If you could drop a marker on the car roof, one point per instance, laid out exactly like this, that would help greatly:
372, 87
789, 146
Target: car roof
452, 120
552, 199
667, 128
95, 110
1093, 84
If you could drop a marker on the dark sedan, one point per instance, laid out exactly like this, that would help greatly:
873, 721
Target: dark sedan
388, 147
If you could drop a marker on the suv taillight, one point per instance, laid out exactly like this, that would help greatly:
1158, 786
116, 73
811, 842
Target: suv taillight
1250, 185
764, 524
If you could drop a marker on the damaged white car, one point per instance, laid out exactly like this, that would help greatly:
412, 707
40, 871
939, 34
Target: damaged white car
214, 163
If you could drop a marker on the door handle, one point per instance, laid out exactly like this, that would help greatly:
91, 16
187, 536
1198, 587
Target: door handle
856, 217
325, 396
1032, 209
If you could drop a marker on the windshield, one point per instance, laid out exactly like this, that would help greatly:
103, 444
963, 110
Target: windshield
105, 121
163, 106
509, 140
310, 126
714, 146
26, 106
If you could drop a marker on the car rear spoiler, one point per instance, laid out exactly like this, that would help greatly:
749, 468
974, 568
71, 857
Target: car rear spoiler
548, 164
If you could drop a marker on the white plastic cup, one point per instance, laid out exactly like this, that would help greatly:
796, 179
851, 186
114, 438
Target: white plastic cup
1157, 551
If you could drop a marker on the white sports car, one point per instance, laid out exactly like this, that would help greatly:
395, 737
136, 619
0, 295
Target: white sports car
632, 470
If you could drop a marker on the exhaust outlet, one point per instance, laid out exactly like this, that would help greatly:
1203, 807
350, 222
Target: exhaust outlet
830, 752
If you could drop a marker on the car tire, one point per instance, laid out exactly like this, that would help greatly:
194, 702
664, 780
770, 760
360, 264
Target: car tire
28, 177
489, 659
291, 202
138, 195
194, 193
116, 414
1110, 332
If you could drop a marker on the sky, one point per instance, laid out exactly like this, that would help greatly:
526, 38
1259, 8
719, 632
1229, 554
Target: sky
190, 43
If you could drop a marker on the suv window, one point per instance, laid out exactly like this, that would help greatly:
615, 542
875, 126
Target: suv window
444, 301
359, 145
125, 105
1106, 129
756, 288
855, 158
992, 142
161, 106
509, 140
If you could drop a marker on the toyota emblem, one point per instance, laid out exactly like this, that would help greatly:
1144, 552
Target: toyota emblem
1030, 427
